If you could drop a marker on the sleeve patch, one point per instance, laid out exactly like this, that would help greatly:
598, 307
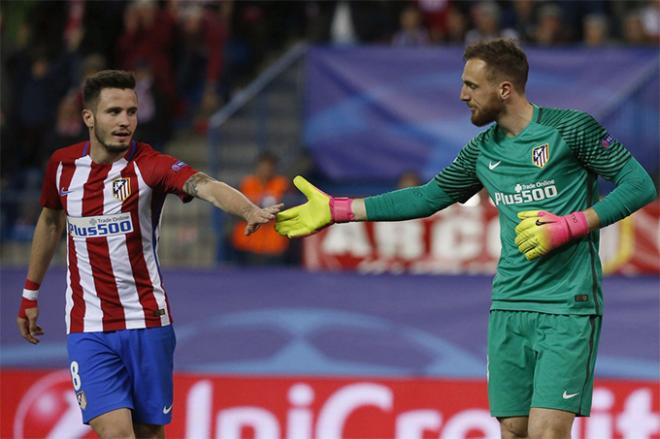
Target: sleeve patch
178, 166
606, 141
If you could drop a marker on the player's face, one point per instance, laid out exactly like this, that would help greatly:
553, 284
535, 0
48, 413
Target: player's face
115, 119
480, 94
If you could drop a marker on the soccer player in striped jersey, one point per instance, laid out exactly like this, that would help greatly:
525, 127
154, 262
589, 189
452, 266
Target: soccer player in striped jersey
539, 166
108, 193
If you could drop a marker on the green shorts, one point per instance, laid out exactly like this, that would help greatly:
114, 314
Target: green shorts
541, 360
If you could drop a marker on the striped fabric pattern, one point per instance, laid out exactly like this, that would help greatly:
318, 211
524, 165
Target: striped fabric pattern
113, 279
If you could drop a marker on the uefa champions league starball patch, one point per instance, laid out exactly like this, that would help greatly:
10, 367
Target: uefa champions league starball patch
178, 166
121, 188
606, 141
541, 155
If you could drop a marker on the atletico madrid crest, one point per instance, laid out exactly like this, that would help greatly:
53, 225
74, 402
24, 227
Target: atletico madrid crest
82, 399
121, 188
541, 155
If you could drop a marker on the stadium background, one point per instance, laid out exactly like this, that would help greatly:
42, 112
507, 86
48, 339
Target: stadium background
363, 330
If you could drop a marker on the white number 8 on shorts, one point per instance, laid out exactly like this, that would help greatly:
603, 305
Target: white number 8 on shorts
74, 375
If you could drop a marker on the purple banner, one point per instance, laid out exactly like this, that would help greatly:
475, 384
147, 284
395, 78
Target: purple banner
372, 113
282, 322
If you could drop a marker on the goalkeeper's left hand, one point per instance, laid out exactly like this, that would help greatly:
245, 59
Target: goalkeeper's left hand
319, 211
540, 232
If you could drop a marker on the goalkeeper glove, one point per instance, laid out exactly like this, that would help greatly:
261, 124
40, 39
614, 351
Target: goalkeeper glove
539, 232
319, 211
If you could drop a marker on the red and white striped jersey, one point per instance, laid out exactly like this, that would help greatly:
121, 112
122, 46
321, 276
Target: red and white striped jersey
113, 215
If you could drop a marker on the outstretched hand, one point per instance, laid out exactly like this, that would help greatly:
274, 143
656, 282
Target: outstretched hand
258, 216
307, 218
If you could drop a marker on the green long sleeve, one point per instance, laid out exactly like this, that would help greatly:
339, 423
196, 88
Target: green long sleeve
409, 203
634, 189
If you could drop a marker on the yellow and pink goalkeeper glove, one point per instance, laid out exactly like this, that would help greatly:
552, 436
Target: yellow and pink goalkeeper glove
540, 232
319, 211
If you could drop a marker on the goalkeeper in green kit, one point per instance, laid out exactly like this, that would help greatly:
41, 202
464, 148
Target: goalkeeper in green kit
539, 166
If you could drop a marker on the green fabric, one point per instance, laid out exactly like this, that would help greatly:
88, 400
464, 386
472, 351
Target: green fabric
561, 377
634, 189
551, 165
403, 204
561, 181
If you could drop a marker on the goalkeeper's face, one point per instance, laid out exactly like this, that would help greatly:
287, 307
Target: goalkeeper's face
480, 93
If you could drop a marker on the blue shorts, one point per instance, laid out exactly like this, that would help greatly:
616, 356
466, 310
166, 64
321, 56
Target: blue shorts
124, 369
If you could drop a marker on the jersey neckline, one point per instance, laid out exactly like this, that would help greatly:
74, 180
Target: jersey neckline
128, 156
503, 138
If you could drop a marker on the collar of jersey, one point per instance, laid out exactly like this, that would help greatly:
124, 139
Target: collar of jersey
503, 138
128, 156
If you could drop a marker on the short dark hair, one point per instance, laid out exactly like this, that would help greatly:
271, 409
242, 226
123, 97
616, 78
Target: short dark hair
105, 79
504, 58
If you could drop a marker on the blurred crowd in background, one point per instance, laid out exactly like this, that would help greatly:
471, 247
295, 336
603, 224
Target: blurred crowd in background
189, 57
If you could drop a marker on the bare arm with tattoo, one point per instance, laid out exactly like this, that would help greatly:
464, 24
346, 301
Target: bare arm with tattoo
225, 197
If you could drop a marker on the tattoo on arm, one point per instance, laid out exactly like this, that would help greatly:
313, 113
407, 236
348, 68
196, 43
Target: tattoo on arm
191, 185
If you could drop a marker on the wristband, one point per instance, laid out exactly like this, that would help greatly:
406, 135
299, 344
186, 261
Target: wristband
29, 299
341, 209
31, 290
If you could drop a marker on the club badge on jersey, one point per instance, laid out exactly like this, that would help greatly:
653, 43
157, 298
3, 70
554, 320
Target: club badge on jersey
541, 155
121, 188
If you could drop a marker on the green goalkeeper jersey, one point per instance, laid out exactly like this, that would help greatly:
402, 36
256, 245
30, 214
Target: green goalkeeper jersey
551, 165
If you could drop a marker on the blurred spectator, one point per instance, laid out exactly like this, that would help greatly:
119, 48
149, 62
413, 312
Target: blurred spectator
69, 127
437, 16
486, 17
408, 179
199, 54
375, 21
148, 37
249, 40
573, 16
651, 20
633, 30
457, 26
524, 22
353, 22
411, 33
46, 23
595, 30
39, 85
342, 30
102, 26
257, 29
154, 118
265, 188
549, 30
92, 63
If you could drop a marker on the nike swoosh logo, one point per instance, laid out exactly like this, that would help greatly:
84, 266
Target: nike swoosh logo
492, 165
64, 193
569, 395
167, 409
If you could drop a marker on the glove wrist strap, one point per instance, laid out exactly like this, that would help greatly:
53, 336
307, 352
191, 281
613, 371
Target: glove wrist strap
577, 224
341, 209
